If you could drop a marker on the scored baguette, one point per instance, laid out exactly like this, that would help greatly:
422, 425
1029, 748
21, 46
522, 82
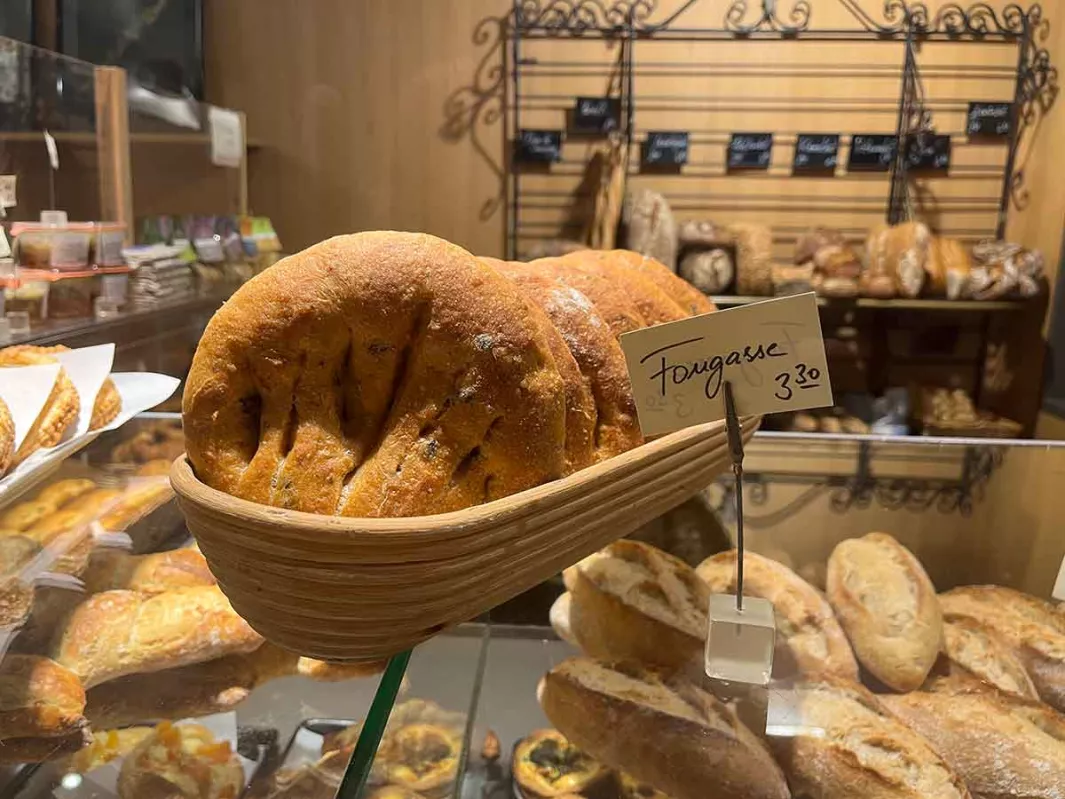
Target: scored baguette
809, 637
671, 735
39, 698
631, 601
982, 652
111, 569
116, 633
888, 608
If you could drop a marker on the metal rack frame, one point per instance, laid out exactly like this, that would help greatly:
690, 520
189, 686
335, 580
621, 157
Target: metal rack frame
910, 23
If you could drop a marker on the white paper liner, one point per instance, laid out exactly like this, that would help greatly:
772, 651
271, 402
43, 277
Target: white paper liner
25, 389
87, 369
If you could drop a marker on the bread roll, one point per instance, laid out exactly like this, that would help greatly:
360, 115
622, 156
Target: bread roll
709, 271
612, 303
60, 410
809, 638
7, 438
560, 617
887, 606
376, 374
116, 633
654, 305
1000, 747
631, 601
59, 493
1034, 630
671, 735
849, 746
16, 591
111, 569
181, 761
546, 765
106, 406
980, 651
754, 258
39, 698
324, 671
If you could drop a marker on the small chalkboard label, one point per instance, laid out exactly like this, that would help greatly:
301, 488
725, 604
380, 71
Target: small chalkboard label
750, 150
872, 152
596, 114
539, 146
928, 151
816, 152
989, 119
665, 148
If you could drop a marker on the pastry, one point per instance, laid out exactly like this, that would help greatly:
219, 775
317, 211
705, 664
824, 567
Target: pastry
670, 734
631, 601
146, 574
1034, 630
154, 468
546, 765
60, 409
887, 606
59, 493
116, 633
136, 502
74, 516
809, 637
106, 406
1001, 746
654, 305
106, 746
181, 761
24, 515
7, 438
901, 251
421, 757
376, 374
580, 404
16, 592
848, 745
324, 671
156, 441
39, 698
981, 652
596, 353
610, 301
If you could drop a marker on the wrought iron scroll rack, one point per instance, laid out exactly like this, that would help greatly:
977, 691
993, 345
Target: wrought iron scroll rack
631, 23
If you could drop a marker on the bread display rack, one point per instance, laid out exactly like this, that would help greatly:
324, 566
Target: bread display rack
361, 589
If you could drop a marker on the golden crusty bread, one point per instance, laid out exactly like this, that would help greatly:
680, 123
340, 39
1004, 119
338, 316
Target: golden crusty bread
1034, 630
136, 502
59, 493
146, 574
887, 606
669, 734
74, 515
60, 410
7, 438
983, 653
16, 592
39, 698
654, 305
108, 401
692, 301
631, 601
116, 633
1001, 746
613, 304
809, 637
375, 374
580, 404
848, 745
182, 760
595, 351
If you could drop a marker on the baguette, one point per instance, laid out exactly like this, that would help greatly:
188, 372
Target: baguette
146, 574
887, 606
809, 637
1001, 747
39, 698
849, 745
1034, 630
631, 601
982, 652
117, 633
671, 735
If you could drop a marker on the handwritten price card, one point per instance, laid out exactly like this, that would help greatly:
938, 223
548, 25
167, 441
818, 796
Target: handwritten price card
772, 353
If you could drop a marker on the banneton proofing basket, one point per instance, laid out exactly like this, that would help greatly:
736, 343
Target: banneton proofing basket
341, 588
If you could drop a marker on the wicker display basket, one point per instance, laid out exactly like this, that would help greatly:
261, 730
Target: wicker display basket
341, 588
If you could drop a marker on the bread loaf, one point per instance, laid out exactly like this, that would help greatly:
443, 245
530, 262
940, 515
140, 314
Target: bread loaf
692, 301
709, 271
597, 355
902, 252
671, 735
948, 267
654, 305
146, 574
809, 637
631, 601
135, 503
614, 305
39, 698
1034, 630
377, 374
887, 606
16, 591
848, 746
981, 652
1000, 747
117, 633
7, 438
754, 259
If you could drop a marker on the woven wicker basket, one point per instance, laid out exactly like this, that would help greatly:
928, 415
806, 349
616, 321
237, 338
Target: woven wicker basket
341, 588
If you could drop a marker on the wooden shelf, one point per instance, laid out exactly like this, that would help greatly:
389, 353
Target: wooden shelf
972, 306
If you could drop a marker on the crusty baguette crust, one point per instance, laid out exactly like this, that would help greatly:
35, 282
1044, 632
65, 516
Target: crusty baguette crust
1034, 630
116, 633
1001, 748
146, 574
674, 737
658, 619
888, 608
39, 698
808, 634
982, 652
856, 748
375, 374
